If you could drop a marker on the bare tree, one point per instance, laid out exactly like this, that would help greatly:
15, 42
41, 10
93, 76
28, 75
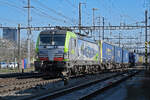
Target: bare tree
8, 50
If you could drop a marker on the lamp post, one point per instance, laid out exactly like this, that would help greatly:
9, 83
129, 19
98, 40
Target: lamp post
80, 16
94, 9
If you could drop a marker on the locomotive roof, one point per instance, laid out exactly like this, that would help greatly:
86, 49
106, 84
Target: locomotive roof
55, 32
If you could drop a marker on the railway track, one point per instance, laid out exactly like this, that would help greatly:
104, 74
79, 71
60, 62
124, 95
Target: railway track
88, 90
19, 75
105, 87
12, 86
26, 85
22, 84
7, 78
4, 80
15, 92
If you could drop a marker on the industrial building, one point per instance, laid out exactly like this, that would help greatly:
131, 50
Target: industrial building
10, 34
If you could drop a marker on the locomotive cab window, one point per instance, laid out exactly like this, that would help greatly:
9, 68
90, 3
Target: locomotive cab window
45, 39
52, 39
59, 39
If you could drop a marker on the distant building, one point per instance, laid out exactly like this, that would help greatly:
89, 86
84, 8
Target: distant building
10, 34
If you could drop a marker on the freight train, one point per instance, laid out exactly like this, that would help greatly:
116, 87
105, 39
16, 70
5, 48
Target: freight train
62, 52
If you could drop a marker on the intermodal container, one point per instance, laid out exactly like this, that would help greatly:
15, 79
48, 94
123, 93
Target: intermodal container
125, 56
118, 54
107, 52
88, 50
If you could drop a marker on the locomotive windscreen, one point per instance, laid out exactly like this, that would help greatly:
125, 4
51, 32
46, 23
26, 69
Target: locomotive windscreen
52, 39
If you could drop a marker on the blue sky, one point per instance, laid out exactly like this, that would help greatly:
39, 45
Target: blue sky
65, 12
115, 11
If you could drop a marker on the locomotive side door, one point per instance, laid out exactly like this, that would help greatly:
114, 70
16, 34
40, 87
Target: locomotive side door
73, 49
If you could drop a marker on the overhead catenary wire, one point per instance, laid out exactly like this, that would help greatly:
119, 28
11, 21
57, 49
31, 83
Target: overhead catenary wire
10, 20
42, 13
76, 7
71, 4
13, 6
23, 11
68, 19
122, 14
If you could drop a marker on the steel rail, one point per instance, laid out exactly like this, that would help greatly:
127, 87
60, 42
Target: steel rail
100, 90
63, 92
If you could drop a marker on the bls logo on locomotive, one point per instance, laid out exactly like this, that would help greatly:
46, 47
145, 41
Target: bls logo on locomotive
88, 51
